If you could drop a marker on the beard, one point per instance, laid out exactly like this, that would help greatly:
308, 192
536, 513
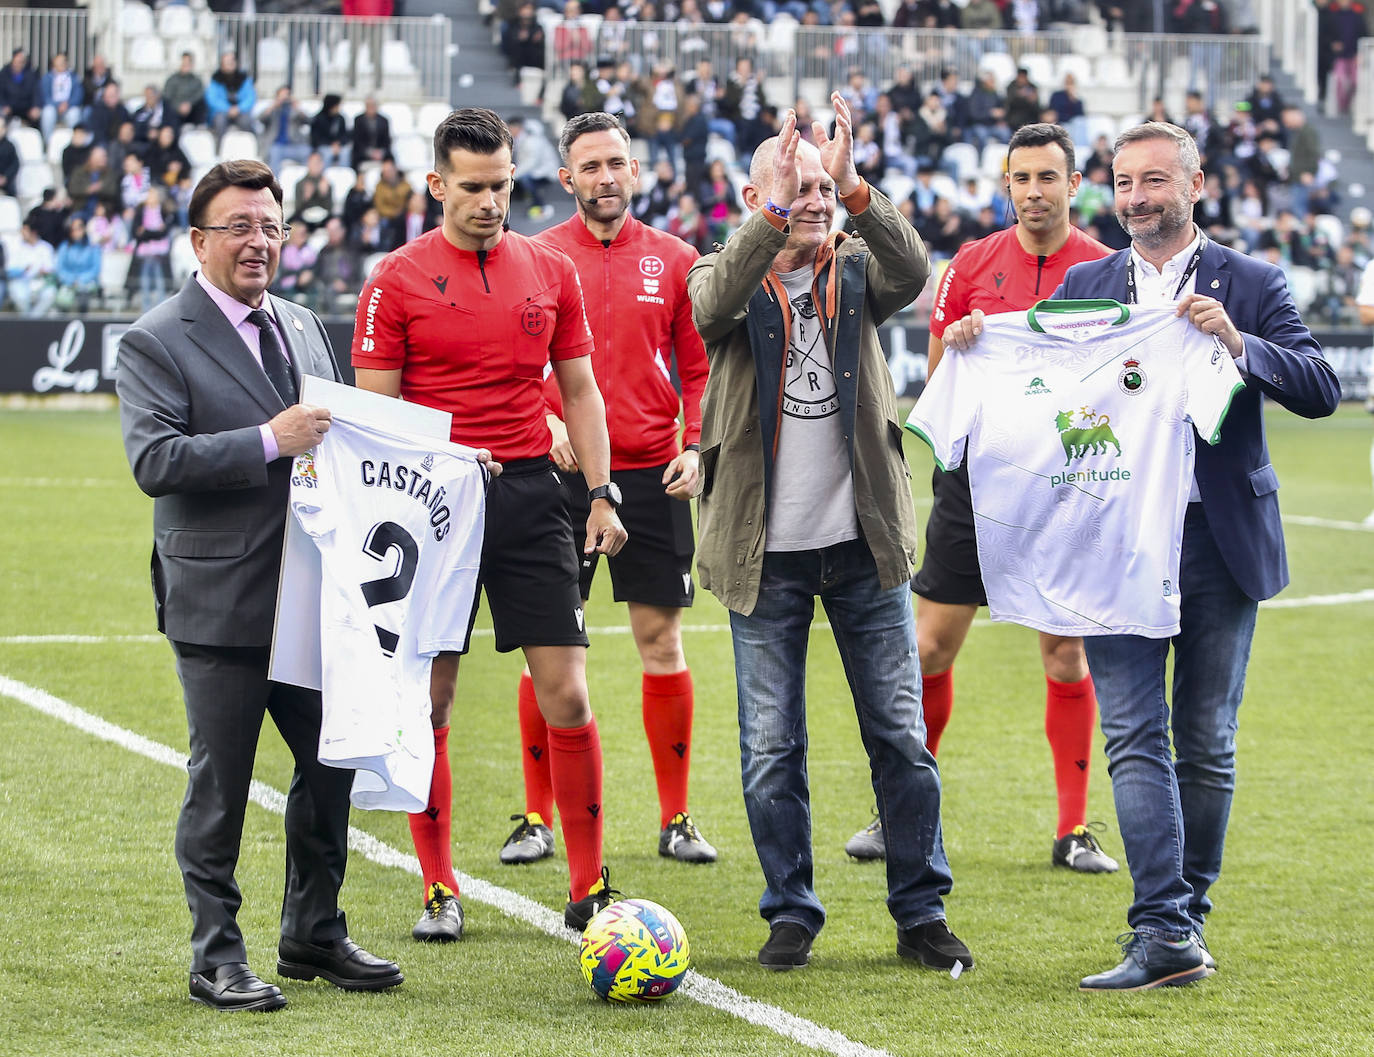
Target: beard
1158, 225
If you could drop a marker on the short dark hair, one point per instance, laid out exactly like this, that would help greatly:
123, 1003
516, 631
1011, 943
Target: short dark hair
248, 173
1043, 134
473, 128
584, 124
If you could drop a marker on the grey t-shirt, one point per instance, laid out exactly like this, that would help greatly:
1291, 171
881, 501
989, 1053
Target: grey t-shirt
811, 504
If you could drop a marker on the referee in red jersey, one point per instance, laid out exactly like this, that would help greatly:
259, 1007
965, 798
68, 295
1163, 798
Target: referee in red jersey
634, 279
466, 318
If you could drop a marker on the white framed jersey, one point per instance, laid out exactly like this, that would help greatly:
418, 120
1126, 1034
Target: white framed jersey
398, 523
1078, 421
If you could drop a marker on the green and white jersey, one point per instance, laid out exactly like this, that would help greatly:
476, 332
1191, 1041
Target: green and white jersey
1077, 419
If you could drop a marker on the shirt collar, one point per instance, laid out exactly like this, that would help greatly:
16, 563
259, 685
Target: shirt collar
1175, 264
234, 310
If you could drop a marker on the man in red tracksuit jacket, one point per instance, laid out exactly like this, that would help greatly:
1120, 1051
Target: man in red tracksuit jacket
634, 282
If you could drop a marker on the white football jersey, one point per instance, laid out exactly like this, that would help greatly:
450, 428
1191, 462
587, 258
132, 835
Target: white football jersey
398, 522
1078, 419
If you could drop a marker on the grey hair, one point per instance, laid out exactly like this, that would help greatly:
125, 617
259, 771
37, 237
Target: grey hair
1181, 138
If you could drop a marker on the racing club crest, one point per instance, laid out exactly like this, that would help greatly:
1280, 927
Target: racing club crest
1131, 379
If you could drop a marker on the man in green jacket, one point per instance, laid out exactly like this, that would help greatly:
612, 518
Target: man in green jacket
806, 493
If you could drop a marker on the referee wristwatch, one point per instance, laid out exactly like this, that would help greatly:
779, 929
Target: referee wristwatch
609, 492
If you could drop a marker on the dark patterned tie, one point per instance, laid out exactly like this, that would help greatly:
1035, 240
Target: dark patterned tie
273, 359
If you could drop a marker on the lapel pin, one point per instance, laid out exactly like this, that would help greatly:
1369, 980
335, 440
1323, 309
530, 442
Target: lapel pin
1215, 284
297, 323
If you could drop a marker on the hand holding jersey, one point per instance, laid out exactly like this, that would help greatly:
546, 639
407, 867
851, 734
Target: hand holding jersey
299, 428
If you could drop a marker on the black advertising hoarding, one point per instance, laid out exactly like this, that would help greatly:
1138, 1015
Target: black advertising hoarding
73, 355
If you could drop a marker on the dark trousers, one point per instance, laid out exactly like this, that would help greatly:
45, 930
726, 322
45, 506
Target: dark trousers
227, 692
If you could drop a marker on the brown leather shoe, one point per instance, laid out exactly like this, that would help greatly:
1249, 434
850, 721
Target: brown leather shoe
342, 962
233, 987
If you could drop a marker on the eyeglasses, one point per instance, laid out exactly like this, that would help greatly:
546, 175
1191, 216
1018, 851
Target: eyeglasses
241, 229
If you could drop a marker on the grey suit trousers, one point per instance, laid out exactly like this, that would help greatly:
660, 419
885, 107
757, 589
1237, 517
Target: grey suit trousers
227, 692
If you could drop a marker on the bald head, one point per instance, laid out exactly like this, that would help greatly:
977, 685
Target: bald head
761, 164
811, 206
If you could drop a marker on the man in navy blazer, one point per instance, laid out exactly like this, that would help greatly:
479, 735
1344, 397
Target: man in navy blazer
1173, 808
208, 383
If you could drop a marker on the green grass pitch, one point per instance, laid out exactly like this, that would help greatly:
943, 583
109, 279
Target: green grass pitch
93, 924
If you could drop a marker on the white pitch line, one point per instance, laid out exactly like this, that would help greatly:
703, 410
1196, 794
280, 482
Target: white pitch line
62, 482
1321, 522
1345, 599
703, 989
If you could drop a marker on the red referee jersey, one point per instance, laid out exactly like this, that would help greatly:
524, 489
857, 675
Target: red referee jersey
471, 334
641, 318
996, 274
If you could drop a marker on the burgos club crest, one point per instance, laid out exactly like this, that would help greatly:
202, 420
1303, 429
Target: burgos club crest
304, 475
1131, 380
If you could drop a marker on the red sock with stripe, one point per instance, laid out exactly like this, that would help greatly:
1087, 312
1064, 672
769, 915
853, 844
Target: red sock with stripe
575, 766
1070, 715
667, 709
534, 753
937, 702
430, 829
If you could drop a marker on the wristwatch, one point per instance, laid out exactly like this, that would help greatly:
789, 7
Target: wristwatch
609, 492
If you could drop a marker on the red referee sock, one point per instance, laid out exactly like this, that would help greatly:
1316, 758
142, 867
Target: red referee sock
534, 753
937, 702
667, 709
430, 829
575, 765
1070, 715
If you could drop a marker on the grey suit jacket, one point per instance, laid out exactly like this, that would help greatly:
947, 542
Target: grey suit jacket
191, 400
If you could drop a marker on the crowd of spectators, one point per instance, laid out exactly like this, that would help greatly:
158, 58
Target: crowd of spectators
1269, 187
125, 180
121, 185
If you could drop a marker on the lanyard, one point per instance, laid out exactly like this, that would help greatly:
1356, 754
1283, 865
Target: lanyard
1193, 262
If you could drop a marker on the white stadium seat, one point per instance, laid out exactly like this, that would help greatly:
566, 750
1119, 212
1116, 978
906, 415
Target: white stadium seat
198, 144
28, 143
136, 20
10, 216
238, 144
175, 20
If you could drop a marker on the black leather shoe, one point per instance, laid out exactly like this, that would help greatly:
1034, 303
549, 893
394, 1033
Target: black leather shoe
788, 947
233, 987
343, 963
934, 946
1150, 961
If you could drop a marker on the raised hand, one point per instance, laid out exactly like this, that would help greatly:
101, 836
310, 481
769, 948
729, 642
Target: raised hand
786, 180
837, 155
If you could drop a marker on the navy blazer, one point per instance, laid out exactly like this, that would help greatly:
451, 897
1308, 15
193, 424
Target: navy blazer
1283, 362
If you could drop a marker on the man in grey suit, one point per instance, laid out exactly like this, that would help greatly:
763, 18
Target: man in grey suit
208, 384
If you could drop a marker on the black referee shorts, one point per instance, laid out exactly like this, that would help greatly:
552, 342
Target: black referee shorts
654, 567
529, 565
949, 571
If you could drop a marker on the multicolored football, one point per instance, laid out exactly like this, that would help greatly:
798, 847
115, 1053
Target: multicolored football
634, 951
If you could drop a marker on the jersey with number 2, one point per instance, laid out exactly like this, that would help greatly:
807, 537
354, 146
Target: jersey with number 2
398, 523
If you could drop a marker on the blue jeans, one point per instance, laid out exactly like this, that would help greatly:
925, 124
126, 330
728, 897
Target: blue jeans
1173, 806
877, 642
